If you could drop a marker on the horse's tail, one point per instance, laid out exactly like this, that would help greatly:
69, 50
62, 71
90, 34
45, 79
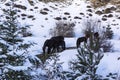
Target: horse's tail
63, 45
45, 45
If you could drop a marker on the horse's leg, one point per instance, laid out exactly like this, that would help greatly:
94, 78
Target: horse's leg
57, 47
63, 45
44, 49
53, 49
49, 50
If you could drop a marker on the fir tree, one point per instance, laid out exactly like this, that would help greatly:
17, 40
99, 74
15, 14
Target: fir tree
109, 32
54, 68
13, 50
87, 61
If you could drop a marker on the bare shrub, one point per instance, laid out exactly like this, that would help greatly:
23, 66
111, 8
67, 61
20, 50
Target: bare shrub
31, 2
26, 32
65, 29
92, 26
107, 46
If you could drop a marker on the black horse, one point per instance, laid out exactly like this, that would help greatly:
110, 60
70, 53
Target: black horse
84, 39
55, 43
58, 46
59, 43
58, 38
81, 39
48, 44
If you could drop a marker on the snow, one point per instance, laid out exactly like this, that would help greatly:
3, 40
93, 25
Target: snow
109, 64
67, 56
40, 29
17, 68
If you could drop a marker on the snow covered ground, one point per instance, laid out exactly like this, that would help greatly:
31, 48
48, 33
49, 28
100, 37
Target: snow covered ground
40, 29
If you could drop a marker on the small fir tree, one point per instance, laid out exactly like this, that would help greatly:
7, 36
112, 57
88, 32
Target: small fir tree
87, 61
109, 32
52, 67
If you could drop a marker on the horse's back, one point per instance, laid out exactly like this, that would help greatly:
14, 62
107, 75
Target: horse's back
58, 38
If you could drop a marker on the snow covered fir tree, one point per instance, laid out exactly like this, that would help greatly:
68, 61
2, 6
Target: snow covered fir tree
86, 64
87, 61
15, 61
13, 50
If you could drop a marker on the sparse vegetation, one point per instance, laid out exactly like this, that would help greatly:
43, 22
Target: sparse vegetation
91, 27
25, 32
90, 53
65, 29
64, 1
99, 3
31, 2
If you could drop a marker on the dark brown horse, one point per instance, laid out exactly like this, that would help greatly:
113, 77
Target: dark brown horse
82, 39
55, 43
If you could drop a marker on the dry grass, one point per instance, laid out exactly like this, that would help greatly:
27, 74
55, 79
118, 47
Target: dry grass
99, 3
115, 2
63, 1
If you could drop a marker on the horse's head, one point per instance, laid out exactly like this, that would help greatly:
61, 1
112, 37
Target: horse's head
87, 35
96, 35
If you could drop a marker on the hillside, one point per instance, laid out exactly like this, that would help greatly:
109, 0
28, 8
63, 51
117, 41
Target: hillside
43, 18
